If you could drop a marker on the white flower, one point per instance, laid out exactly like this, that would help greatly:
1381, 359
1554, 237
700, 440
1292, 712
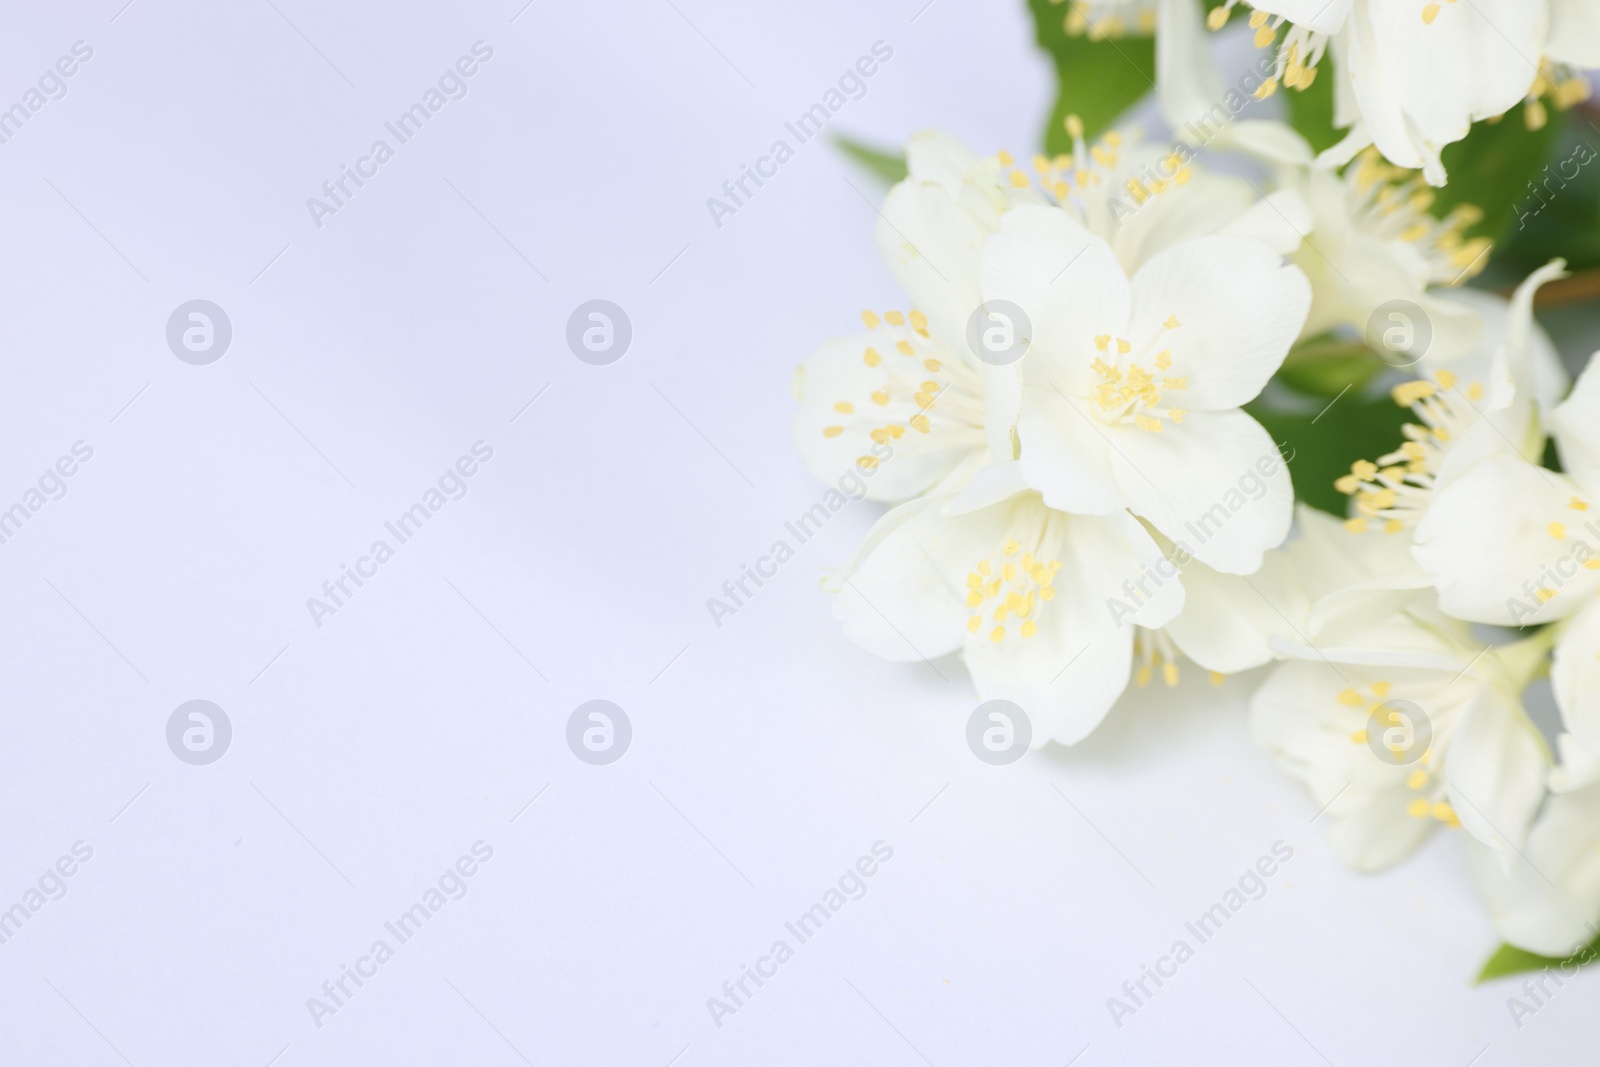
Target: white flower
1372, 242
909, 384
1485, 401
1412, 76
1393, 717
1129, 395
1019, 589
1507, 541
1546, 898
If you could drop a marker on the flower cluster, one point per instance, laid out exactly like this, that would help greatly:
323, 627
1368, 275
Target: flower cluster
1411, 76
1079, 501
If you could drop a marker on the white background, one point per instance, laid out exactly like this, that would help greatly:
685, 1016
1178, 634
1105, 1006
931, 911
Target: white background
368, 754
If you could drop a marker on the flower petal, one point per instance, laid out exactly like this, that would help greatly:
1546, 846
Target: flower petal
1489, 541
861, 395
1296, 714
1497, 764
1216, 486
1228, 308
1575, 677
1547, 898
903, 600
1069, 284
1068, 674
932, 246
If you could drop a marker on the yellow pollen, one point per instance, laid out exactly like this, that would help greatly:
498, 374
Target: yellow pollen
920, 423
872, 358
1380, 689
932, 364
973, 623
1447, 379
998, 634
844, 407
1418, 779
904, 348
919, 322
832, 431
1577, 505
1358, 526
1408, 393
866, 463
1430, 13
1102, 341
1030, 628
1418, 809
1359, 737
1351, 699
1169, 673
1217, 18
1545, 594
894, 318
1558, 531
1074, 126
880, 398
1217, 677
870, 318
1004, 157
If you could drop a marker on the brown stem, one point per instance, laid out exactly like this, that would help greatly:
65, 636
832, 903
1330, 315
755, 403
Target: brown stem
1580, 288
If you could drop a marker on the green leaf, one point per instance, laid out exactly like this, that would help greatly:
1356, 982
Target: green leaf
1311, 110
1321, 440
890, 166
1326, 366
1097, 80
1492, 166
1560, 215
1509, 959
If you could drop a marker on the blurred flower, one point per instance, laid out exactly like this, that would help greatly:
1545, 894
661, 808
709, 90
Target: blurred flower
1488, 401
1390, 713
1509, 542
1546, 898
1373, 242
1412, 78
